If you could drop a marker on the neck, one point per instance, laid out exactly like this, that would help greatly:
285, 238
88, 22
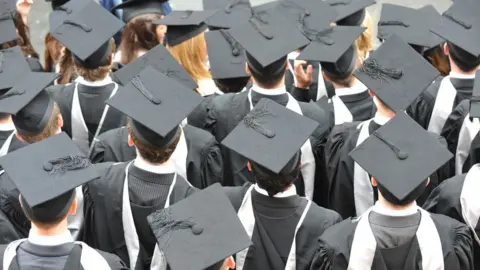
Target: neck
382, 109
456, 69
58, 229
280, 84
338, 86
388, 205
160, 168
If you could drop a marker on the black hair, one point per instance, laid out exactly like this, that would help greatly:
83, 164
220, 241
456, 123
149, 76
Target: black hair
49, 212
464, 60
417, 192
232, 85
267, 76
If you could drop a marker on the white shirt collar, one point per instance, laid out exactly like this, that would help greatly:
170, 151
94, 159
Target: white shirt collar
269, 92
7, 126
356, 89
158, 169
54, 240
412, 209
103, 82
291, 191
380, 119
207, 87
461, 76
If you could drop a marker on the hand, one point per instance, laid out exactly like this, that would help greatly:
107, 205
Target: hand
23, 8
304, 78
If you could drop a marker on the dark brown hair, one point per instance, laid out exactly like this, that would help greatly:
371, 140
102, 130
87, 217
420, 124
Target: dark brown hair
438, 59
67, 68
23, 38
52, 52
153, 154
50, 129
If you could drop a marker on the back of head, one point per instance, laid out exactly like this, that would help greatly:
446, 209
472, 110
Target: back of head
268, 76
464, 60
100, 72
412, 196
232, 85
49, 213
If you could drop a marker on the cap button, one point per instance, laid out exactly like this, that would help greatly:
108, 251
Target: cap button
156, 101
48, 166
402, 155
197, 230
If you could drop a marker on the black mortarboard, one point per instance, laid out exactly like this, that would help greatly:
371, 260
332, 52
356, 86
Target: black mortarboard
184, 25
226, 56
268, 37
8, 31
200, 231
160, 59
87, 34
48, 170
410, 24
28, 102
396, 73
263, 137
230, 13
475, 100
13, 67
134, 8
460, 25
401, 155
157, 104
350, 12
57, 3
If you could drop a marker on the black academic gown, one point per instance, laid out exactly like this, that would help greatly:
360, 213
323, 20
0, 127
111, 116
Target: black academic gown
421, 109
14, 224
360, 105
275, 223
103, 216
334, 248
340, 168
226, 111
204, 159
198, 116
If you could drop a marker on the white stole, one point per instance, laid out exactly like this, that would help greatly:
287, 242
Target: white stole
443, 105
342, 114
468, 131
469, 199
179, 157
6, 144
362, 188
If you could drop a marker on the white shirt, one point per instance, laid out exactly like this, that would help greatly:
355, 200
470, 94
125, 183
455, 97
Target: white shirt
461, 76
380, 119
356, 89
7, 126
269, 92
165, 168
83, 81
53, 240
411, 210
290, 191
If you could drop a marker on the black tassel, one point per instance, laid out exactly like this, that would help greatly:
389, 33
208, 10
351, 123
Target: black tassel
60, 166
233, 3
82, 26
13, 93
258, 24
10, 206
457, 20
251, 121
340, 2
402, 155
138, 84
236, 48
378, 72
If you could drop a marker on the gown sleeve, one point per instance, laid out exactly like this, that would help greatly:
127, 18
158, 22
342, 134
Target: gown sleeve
463, 246
212, 165
98, 152
210, 124
421, 109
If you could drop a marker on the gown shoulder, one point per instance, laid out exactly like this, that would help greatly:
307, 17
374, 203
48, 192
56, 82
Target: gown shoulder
112, 146
113, 261
223, 109
421, 108
445, 199
198, 116
236, 194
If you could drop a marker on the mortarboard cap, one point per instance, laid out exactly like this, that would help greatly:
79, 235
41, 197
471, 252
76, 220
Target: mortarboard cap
160, 59
8, 31
13, 67
263, 137
350, 12
475, 100
266, 30
401, 155
157, 104
207, 230
460, 25
184, 25
134, 8
410, 24
396, 73
230, 13
87, 33
226, 56
57, 3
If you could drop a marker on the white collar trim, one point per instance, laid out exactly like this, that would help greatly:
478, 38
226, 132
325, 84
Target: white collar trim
380, 119
7, 126
461, 76
291, 191
356, 89
54, 240
269, 92
165, 168
82, 80
411, 210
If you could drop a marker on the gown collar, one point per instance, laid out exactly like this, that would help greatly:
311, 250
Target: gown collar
291, 191
411, 210
81, 80
159, 169
54, 240
269, 92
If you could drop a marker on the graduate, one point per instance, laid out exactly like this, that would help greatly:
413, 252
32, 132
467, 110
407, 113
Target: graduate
47, 178
459, 27
87, 32
282, 225
394, 85
207, 232
267, 68
395, 233
128, 192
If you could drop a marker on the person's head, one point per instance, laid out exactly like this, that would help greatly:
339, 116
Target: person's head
411, 197
275, 183
438, 59
269, 77
192, 55
53, 52
140, 34
232, 85
151, 154
100, 72
340, 73
52, 127
461, 60
67, 67
364, 43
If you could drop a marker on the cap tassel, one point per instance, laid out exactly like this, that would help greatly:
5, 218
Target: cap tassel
340, 2
258, 24
137, 83
393, 23
64, 9
12, 92
251, 121
82, 26
232, 42
232, 4
60, 166
402, 155
378, 72
457, 20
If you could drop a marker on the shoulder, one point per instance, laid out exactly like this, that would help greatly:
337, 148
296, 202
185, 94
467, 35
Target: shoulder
61, 93
121, 132
450, 230
236, 194
319, 216
110, 173
345, 131
197, 136
223, 102
113, 260
432, 90
315, 112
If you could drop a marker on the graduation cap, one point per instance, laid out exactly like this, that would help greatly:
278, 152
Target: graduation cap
396, 73
263, 137
200, 231
334, 48
184, 25
460, 25
350, 12
160, 59
156, 104
134, 8
63, 10
87, 34
8, 31
230, 13
475, 100
401, 155
46, 173
29, 104
57, 3
226, 56
268, 37
13, 67
410, 24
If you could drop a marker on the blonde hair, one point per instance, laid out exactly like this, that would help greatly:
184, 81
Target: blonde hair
192, 55
364, 43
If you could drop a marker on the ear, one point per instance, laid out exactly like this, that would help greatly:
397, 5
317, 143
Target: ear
247, 69
374, 182
370, 92
446, 49
73, 208
130, 141
249, 166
